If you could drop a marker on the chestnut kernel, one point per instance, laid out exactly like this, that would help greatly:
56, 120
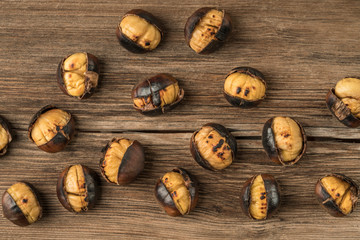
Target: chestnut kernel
343, 101
284, 140
139, 31
244, 87
77, 188
21, 204
206, 29
78, 75
337, 194
51, 129
123, 161
5, 136
260, 197
157, 94
213, 147
177, 192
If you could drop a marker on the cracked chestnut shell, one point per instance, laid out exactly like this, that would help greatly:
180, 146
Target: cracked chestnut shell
343, 101
77, 188
284, 140
5, 136
78, 75
206, 29
337, 194
244, 87
123, 161
157, 94
51, 129
21, 204
213, 147
139, 31
260, 197
177, 192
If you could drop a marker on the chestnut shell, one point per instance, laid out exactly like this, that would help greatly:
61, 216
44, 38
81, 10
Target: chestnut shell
230, 139
59, 141
132, 163
240, 102
272, 192
269, 144
327, 202
130, 45
5, 124
221, 35
165, 200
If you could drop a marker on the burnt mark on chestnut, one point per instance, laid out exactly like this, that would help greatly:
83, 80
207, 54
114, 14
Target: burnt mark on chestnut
5, 135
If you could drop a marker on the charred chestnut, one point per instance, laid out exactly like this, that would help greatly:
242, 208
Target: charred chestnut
284, 140
157, 94
123, 161
244, 87
177, 192
337, 194
77, 188
260, 197
139, 31
21, 204
343, 101
78, 75
51, 129
5, 136
213, 147
206, 29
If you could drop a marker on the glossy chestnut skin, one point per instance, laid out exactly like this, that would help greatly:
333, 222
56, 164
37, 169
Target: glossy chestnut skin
63, 136
273, 197
328, 203
221, 35
91, 76
6, 126
270, 147
166, 200
151, 88
230, 140
129, 44
132, 163
240, 102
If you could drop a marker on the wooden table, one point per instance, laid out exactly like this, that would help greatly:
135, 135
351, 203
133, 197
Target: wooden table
303, 48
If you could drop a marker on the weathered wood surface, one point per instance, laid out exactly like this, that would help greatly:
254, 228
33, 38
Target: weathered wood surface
302, 47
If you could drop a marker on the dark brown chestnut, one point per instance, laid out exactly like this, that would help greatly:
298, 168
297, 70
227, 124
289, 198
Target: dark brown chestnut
78, 75
5, 136
244, 87
77, 188
207, 29
213, 147
260, 197
343, 101
21, 204
51, 129
157, 94
284, 140
177, 192
139, 31
337, 194
123, 161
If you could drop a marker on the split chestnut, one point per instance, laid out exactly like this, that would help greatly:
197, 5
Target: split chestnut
5, 136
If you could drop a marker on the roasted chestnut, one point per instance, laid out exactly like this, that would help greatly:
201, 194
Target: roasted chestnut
260, 197
21, 204
51, 129
177, 192
284, 140
123, 161
207, 29
157, 94
213, 147
77, 188
78, 75
5, 136
139, 31
343, 101
337, 194
244, 87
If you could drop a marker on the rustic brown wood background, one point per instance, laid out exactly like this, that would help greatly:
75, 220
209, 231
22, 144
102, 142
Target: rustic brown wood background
302, 47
